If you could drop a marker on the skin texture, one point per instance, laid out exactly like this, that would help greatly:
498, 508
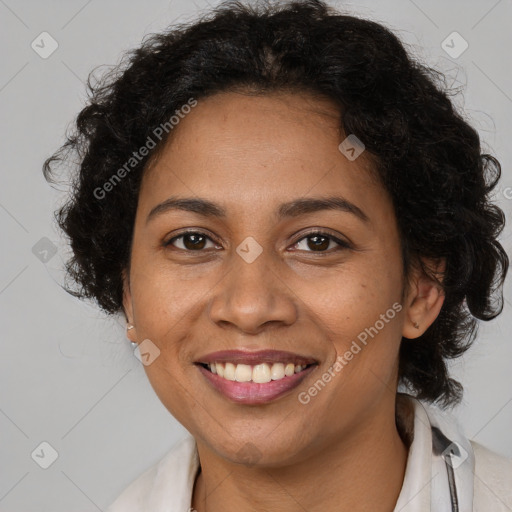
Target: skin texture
249, 154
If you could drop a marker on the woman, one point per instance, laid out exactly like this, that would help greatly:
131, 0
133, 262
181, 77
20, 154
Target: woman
294, 220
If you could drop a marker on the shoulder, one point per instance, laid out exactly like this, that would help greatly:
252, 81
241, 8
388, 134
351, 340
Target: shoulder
146, 490
486, 472
493, 480
135, 495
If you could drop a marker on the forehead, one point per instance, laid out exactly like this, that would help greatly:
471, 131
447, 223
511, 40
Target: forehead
258, 148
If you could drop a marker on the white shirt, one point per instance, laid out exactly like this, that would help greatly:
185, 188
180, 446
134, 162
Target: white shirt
483, 479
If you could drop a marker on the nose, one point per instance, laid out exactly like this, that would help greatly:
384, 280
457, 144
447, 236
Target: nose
252, 296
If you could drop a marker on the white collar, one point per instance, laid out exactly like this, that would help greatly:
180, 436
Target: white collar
425, 486
168, 485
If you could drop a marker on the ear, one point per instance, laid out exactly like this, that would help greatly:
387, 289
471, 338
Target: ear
425, 298
128, 306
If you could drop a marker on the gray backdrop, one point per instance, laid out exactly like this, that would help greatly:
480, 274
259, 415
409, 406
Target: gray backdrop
69, 378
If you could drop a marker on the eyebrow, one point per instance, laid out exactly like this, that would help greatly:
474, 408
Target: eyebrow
290, 209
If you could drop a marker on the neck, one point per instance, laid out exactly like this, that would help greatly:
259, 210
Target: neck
363, 471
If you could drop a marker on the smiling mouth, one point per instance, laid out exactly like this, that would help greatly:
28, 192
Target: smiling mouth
255, 377
259, 373
263, 389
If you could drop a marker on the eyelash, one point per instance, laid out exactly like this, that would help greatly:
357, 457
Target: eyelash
341, 243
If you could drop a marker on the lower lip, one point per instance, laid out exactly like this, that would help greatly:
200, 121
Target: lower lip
251, 392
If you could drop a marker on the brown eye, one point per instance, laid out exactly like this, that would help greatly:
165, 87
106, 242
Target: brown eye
190, 241
320, 242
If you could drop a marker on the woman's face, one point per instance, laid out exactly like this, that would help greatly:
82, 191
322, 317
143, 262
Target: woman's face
254, 277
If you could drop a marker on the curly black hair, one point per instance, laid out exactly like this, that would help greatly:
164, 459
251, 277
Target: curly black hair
426, 155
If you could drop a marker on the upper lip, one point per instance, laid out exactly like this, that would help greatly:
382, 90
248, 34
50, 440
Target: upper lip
251, 357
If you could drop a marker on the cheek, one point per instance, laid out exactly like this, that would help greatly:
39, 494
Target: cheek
355, 298
365, 335
168, 384
361, 312
164, 298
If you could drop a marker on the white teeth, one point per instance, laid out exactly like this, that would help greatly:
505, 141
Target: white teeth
289, 369
260, 373
243, 373
229, 371
277, 371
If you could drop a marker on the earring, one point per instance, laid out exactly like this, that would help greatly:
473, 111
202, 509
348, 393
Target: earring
128, 327
416, 325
